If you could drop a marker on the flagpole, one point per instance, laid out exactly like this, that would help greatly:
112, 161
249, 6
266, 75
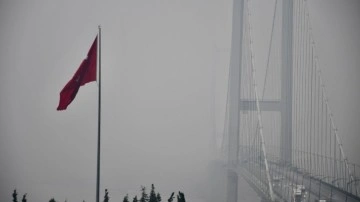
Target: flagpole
99, 121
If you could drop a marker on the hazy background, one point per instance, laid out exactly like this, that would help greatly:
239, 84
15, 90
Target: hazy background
164, 65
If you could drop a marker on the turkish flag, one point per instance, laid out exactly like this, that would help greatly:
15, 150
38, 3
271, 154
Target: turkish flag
86, 73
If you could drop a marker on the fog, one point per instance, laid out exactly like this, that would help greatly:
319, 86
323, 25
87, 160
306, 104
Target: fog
164, 83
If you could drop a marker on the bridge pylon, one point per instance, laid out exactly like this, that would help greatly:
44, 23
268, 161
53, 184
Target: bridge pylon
234, 97
236, 104
286, 81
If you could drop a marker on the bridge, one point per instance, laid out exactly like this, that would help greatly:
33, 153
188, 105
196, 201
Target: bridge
283, 140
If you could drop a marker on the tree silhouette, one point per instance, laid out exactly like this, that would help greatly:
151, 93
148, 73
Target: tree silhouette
14, 195
126, 198
106, 197
153, 194
171, 197
151, 197
158, 197
24, 198
144, 195
181, 197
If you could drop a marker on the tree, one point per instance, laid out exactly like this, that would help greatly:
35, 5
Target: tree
14, 195
181, 197
52, 200
144, 195
158, 197
171, 197
135, 199
126, 198
153, 194
106, 197
24, 198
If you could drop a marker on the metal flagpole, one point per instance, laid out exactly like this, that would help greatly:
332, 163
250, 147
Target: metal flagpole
99, 116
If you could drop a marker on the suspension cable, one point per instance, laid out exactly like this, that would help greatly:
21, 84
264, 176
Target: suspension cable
258, 105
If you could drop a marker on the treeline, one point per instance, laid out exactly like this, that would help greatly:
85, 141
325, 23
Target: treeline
144, 196
152, 197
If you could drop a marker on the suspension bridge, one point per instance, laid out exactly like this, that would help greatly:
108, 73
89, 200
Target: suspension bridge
281, 136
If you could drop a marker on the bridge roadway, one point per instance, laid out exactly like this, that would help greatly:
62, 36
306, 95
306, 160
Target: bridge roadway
285, 182
315, 189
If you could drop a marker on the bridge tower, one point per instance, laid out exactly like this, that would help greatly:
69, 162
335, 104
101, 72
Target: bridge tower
286, 81
234, 98
284, 105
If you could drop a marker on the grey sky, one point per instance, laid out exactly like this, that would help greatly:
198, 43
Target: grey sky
157, 60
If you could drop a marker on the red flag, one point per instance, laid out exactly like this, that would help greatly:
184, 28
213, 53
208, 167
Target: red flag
86, 73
